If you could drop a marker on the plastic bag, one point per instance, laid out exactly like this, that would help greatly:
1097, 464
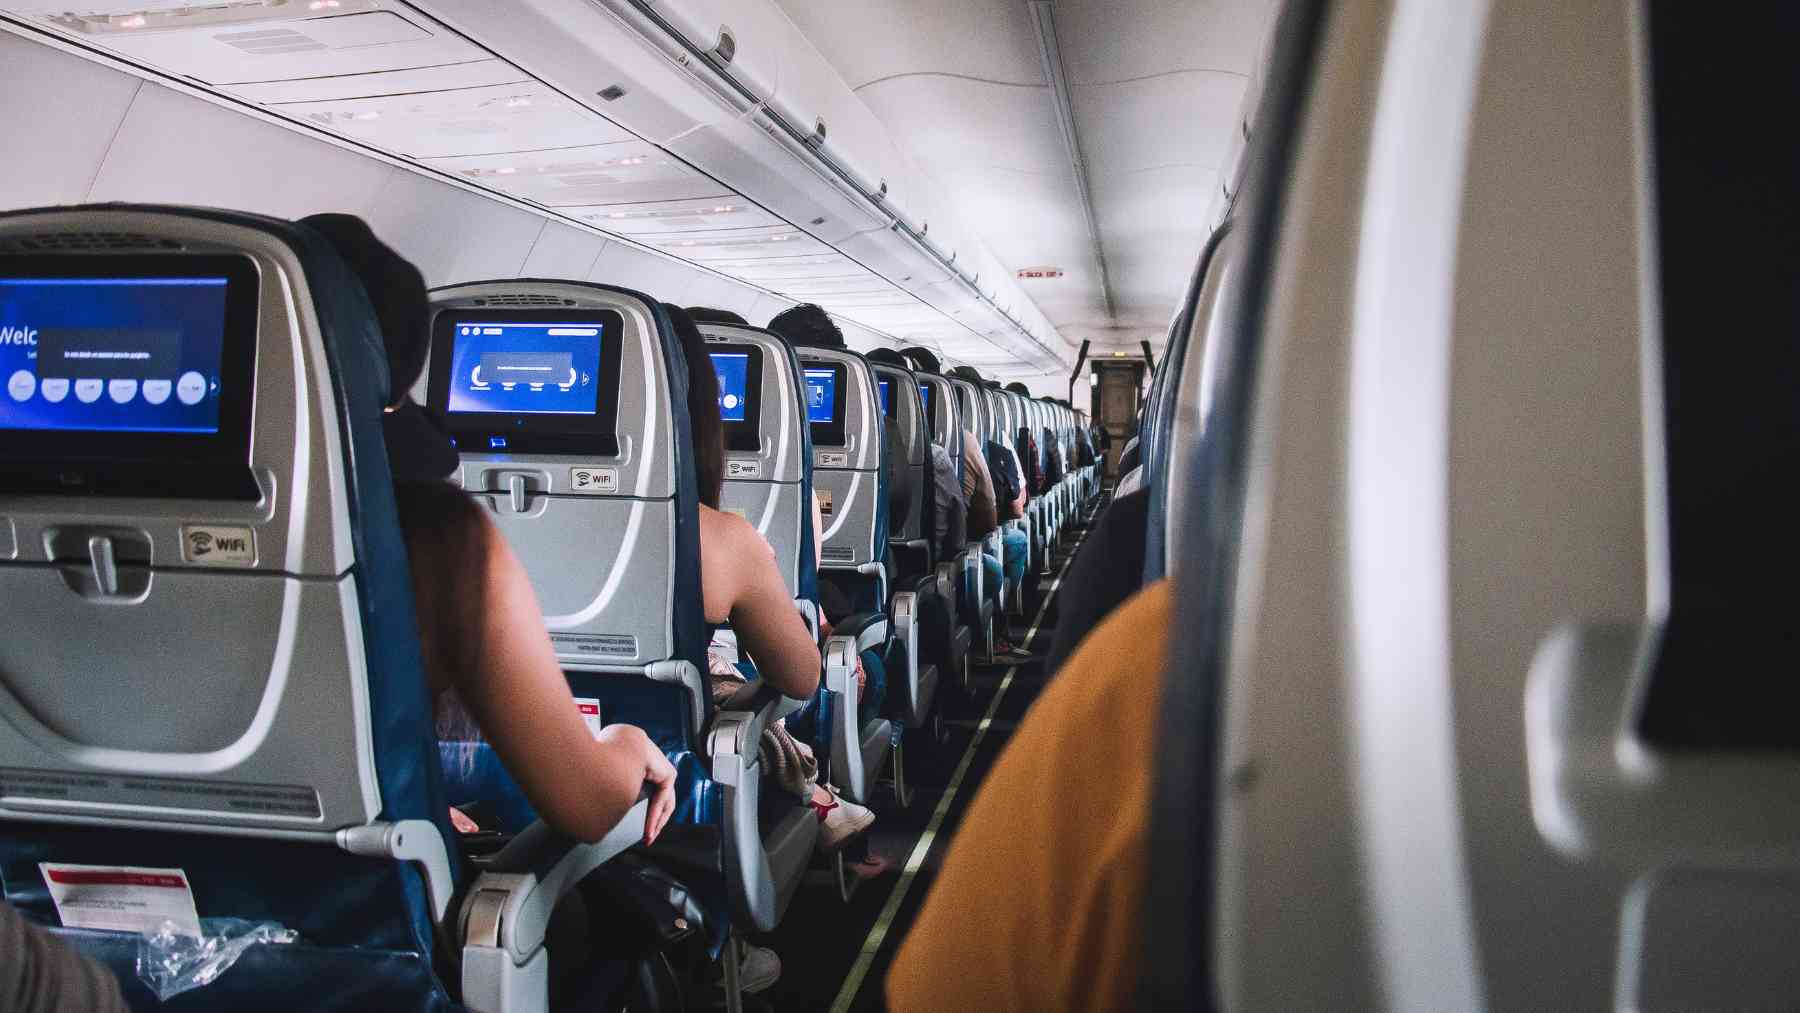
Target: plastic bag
171, 962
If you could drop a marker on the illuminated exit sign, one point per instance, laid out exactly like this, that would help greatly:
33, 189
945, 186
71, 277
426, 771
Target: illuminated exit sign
1040, 272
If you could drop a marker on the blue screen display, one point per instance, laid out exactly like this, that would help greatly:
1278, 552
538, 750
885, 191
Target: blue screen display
821, 395
733, 369
886, 407
111, 354
925, 395
525, 368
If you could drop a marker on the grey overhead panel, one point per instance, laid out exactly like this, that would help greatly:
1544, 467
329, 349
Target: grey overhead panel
596, 535
766, 486
117, 618
847, 477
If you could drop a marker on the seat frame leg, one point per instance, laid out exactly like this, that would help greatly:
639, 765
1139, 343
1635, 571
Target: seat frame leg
734, 989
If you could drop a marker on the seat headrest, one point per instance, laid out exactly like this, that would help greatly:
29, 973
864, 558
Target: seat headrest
1018, 388
969, 373
418, 448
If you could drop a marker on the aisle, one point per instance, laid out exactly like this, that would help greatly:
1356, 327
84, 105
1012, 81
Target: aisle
834, 956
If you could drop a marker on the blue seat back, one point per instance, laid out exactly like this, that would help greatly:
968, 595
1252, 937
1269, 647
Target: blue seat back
270, 582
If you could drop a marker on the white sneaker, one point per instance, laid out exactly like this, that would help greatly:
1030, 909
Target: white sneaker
761, 968
840, 821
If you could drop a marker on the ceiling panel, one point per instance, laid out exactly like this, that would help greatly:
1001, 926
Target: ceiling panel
221, 47
1156, 88
768, 272
394, 82
463, 122
152, 160
661, 218
585, 178
72, 123
778, 242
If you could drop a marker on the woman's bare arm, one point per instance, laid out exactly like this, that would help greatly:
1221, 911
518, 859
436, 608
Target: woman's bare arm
515, 690
745, 585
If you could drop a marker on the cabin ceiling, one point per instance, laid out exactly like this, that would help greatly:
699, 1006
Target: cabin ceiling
1155, 89
948, 101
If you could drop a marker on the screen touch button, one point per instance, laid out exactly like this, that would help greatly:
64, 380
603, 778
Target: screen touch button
157, 391
121, 391
88, 391
21, 385
55, 388
191, 387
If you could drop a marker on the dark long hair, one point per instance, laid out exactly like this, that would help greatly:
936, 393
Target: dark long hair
703, 408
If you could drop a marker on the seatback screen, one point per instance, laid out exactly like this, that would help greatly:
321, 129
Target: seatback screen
732, 369
821, 395
925, 398
739, 371
825, 388
112, 354
887, 401
122, 359
528, 381
522, 368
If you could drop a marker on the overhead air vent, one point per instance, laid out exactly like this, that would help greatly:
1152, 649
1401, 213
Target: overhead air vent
726, 50
48, 242
271, 41
524, 300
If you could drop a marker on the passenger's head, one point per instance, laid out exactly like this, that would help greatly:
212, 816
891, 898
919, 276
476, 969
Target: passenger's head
888, 357
969, 373
1018, 388
922, 360
708, 315
418, 449
808, 325
703, 408
396, 289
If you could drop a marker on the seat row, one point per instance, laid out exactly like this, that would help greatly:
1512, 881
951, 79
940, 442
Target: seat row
239, 545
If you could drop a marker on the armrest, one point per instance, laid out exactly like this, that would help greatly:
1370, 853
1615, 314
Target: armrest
509, 904
868, 629
947, 586
733, 744
760, 705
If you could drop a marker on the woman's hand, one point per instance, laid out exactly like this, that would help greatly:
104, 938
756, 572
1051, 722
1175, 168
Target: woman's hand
659, 774
862, 679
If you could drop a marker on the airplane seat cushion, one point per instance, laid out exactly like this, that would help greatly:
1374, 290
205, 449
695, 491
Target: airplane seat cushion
363, 921
1107, 569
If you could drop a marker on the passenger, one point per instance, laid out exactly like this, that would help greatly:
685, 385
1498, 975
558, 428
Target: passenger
1055, 893
947, 510
983, 518
807, 326
39, 973
492, 672
742, 587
